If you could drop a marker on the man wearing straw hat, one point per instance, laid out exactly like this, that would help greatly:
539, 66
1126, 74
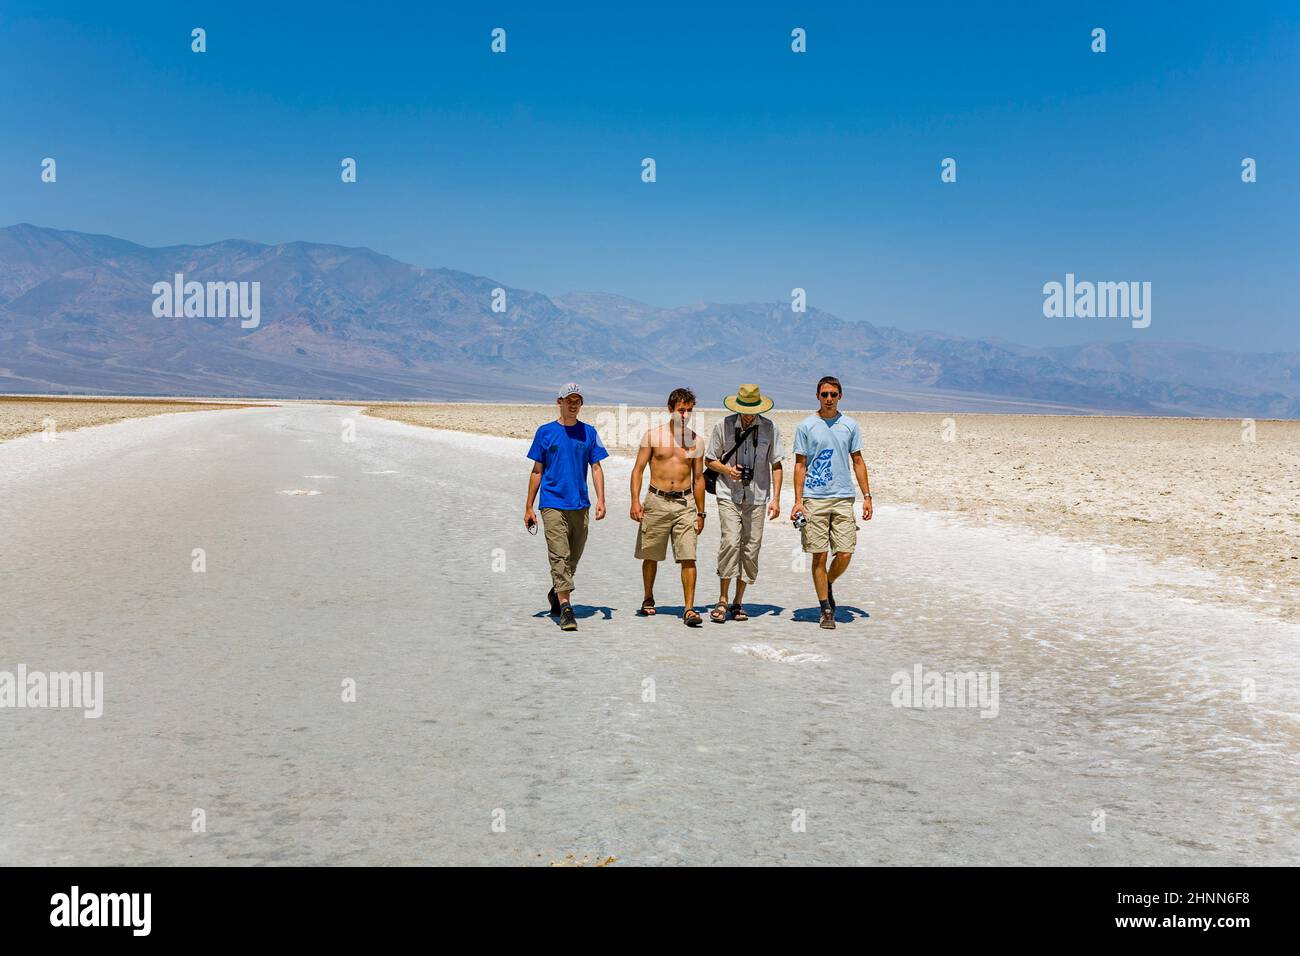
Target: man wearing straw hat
749, 483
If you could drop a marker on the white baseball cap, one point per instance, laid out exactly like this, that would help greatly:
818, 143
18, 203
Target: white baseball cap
572, 388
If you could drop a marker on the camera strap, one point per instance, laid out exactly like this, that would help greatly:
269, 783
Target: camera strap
711, 476
740, 439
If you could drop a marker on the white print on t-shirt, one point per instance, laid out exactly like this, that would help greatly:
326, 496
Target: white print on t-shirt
820, 469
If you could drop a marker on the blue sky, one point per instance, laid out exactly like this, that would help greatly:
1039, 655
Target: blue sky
775, 170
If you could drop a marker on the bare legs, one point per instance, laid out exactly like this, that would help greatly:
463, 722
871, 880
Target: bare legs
648, 570
821, 575
740, 590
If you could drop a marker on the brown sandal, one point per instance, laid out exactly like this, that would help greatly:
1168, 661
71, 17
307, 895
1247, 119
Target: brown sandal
738, 613
719, 614
692, 618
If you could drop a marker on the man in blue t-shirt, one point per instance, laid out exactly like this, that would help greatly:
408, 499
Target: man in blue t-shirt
827, 457
561, 452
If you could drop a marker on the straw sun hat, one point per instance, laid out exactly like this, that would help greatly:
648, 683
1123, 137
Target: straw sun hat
748, 401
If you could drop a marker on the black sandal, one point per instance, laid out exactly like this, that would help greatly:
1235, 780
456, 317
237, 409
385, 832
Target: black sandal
647, 608
692, 618
738, 613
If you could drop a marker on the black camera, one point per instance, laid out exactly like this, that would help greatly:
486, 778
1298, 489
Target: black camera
746, 474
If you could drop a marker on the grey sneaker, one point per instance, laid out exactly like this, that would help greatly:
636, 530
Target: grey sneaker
828, 619
569, 623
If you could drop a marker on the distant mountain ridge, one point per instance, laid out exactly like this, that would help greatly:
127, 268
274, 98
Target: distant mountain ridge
350, 323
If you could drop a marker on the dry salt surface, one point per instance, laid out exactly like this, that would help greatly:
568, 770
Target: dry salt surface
24, 414
410, 573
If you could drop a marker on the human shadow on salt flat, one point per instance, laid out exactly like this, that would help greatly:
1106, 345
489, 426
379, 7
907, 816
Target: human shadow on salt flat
753, 610
581, 611
844, 614
760, 610
668, 610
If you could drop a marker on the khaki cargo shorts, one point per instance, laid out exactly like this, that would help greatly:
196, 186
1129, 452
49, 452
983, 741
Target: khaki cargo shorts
831, 526
666, 519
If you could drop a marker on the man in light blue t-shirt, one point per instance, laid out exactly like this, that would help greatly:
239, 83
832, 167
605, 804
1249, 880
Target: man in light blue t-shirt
827, 459
561, 452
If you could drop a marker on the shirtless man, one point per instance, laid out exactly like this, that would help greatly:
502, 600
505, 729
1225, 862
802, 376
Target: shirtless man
675, 454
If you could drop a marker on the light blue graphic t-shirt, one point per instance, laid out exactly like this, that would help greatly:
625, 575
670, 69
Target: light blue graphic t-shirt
827, 443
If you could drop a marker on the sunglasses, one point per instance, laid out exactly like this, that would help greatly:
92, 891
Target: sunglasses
830, 394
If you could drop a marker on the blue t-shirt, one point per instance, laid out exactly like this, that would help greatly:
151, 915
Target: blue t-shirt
827, 444
565, 451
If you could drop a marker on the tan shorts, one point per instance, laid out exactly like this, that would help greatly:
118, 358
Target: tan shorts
666, 519
831, 525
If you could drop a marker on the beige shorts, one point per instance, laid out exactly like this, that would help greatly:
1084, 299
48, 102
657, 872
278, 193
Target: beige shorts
666, 519
831, 526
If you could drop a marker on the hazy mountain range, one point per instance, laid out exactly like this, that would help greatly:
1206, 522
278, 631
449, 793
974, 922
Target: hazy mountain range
76, 316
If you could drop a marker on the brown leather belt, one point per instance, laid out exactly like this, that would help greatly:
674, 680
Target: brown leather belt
675, 495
